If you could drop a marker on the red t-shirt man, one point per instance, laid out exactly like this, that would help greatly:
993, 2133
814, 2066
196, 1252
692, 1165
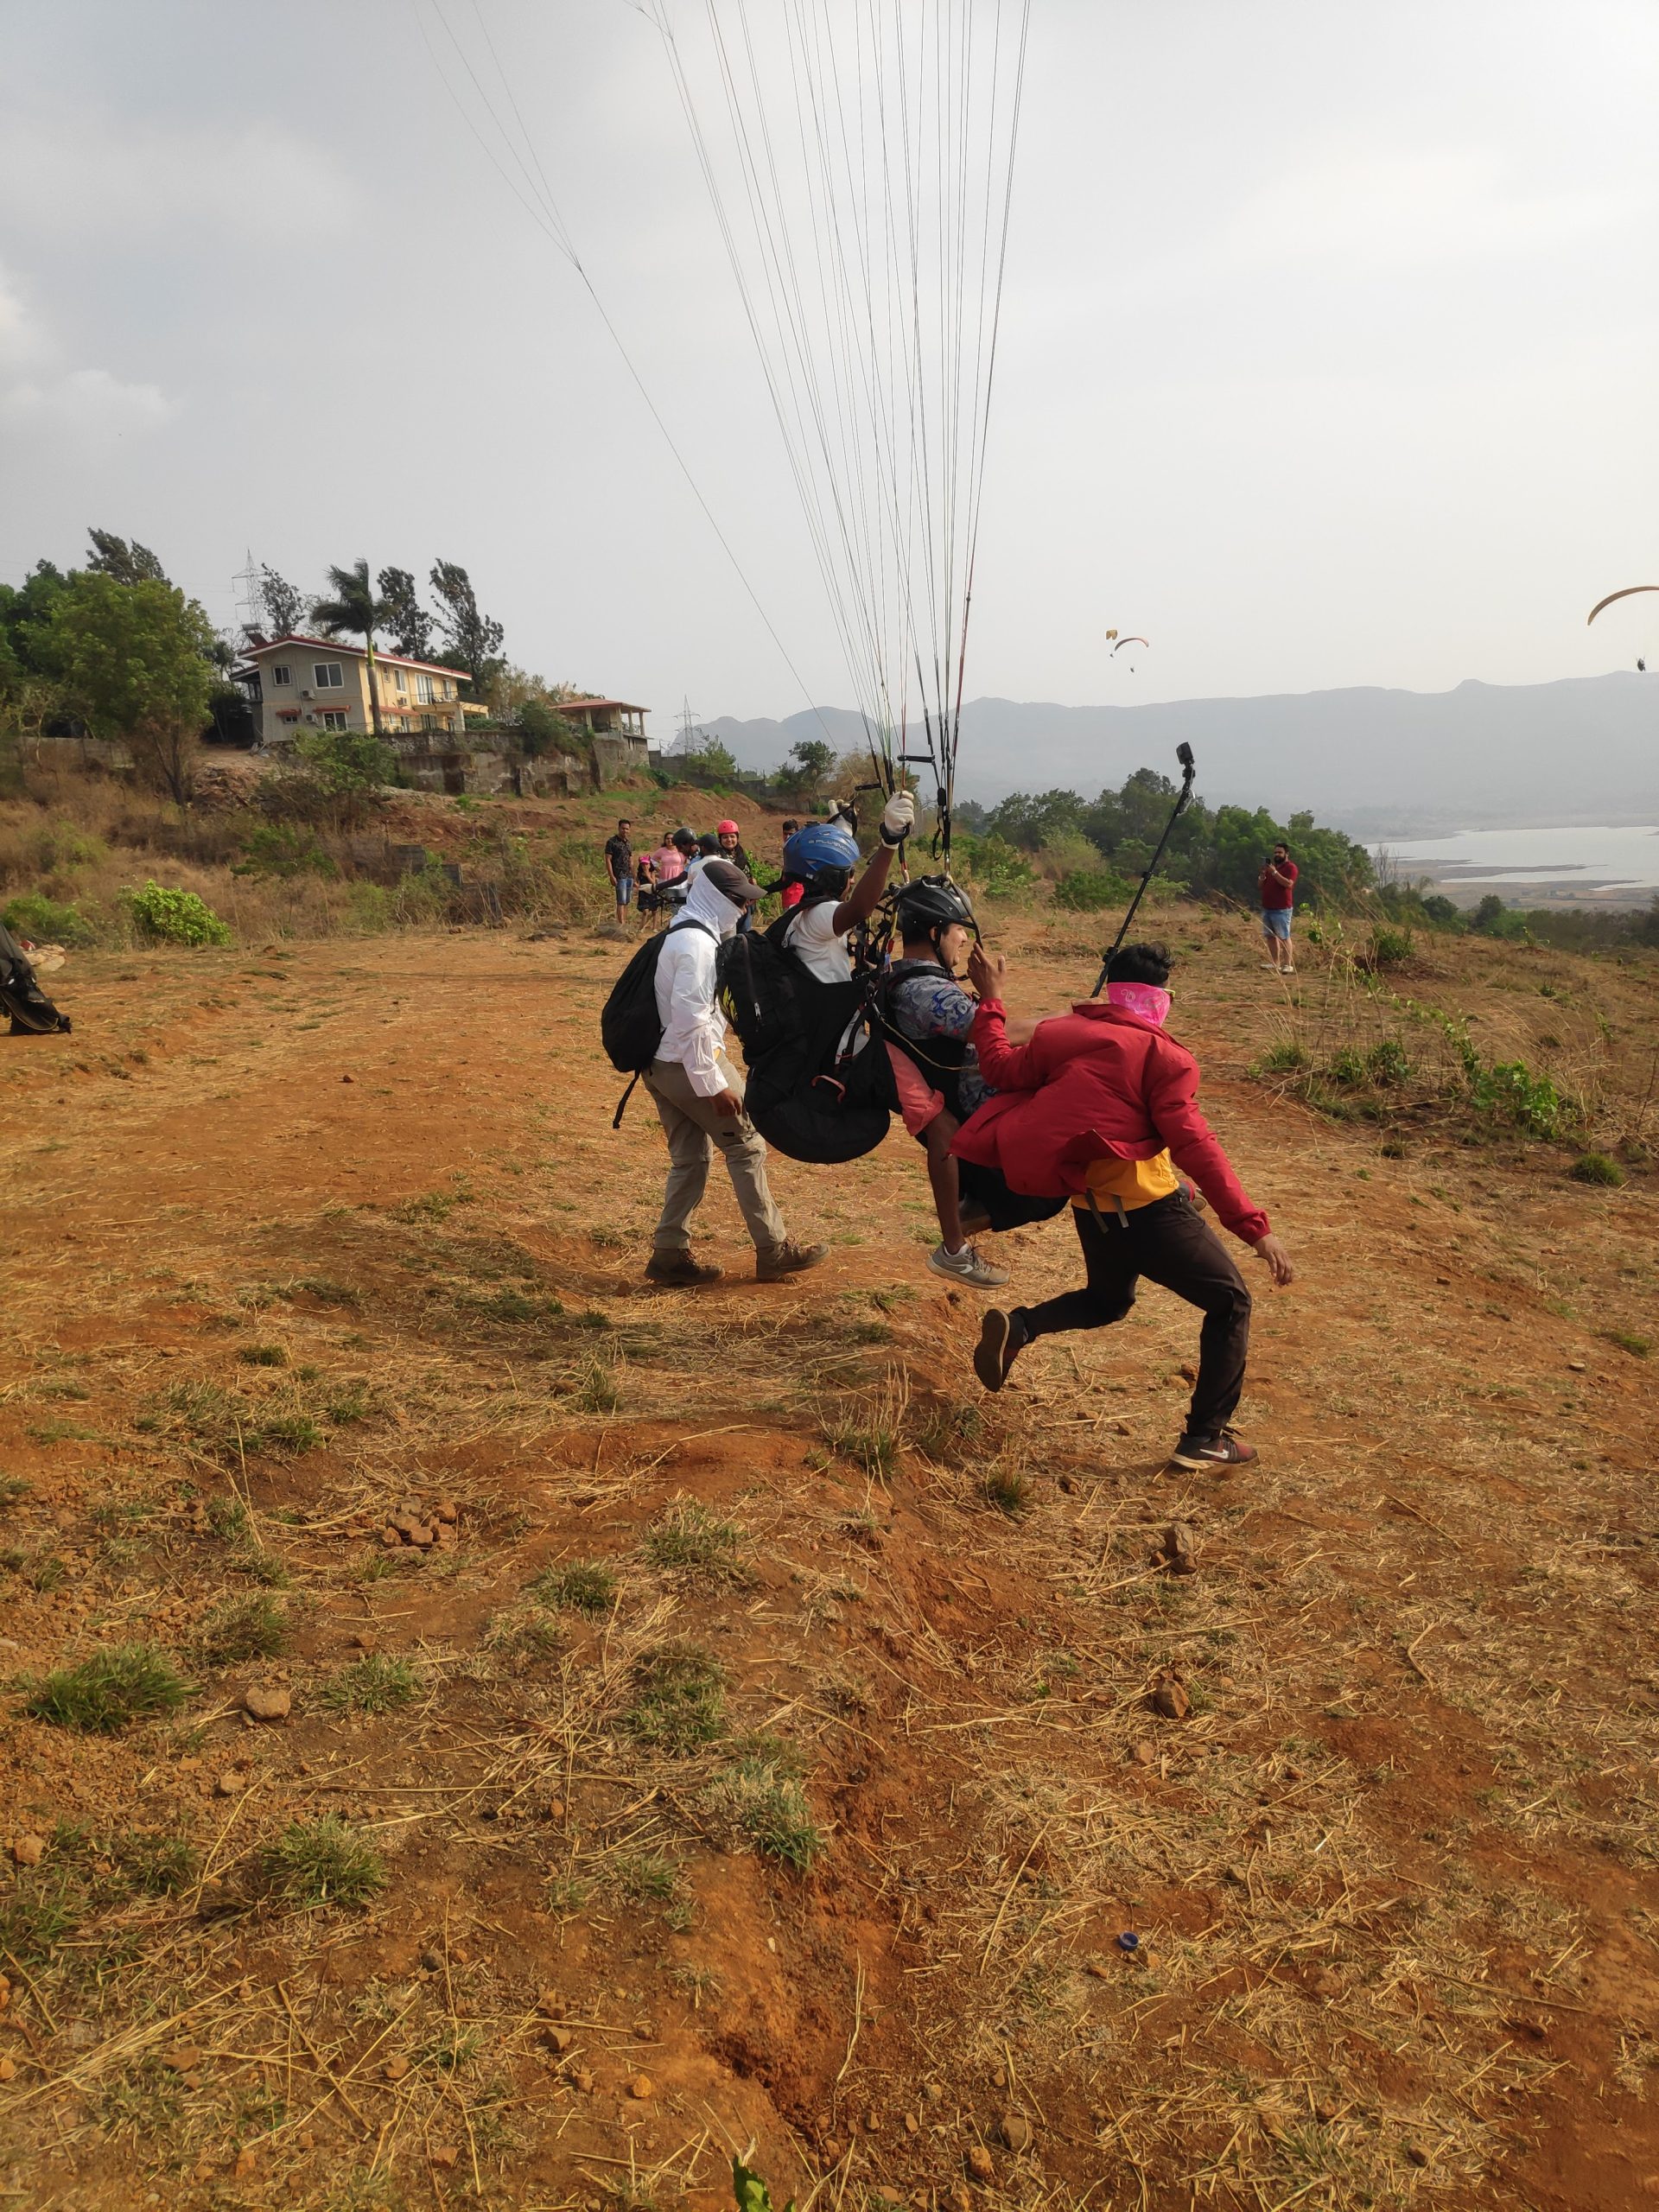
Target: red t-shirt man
1278, 897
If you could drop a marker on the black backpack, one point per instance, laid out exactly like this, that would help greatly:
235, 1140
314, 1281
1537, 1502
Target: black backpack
33, 1014
630, 1027
819, 1087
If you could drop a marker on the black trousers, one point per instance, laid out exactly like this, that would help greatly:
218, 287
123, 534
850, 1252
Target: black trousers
1168, 1243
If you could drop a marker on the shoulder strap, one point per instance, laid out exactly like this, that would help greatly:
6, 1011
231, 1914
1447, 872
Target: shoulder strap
691, 922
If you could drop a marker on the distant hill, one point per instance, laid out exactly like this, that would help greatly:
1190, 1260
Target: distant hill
1377, 763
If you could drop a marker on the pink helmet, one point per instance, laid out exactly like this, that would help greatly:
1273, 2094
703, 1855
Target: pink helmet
726, 829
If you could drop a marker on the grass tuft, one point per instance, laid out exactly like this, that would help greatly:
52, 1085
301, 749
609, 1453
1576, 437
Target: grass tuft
1006, 1489
315, 1863
251, 1627
1596, 1168
127, 1682
583, 1587
679, 1692
691, 1539
371, 1684
766, 1805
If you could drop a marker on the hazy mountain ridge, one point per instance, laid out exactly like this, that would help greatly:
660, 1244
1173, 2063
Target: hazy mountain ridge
1379, 762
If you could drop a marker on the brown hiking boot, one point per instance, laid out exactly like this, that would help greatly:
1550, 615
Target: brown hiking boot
678, 1267
787, 1260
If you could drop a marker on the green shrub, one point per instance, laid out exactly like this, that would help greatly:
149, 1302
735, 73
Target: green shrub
47, 921
1596, 1168
165, 917
1346, 1067
127, 1682
283, 850
1387, 1063
1511, 1090
1087, 891
314, 1863
1390, 948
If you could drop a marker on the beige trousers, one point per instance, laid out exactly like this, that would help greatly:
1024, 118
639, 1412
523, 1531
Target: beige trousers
693, 1130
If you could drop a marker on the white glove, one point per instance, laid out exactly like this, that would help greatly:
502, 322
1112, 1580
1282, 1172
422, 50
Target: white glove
899, 818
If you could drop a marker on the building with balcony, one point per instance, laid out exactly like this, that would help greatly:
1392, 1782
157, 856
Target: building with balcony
296, 684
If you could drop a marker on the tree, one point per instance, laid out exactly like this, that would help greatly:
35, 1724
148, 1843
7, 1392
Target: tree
354, 612
1030, 819
809, 763
281, 608
134, 660
128, 563
542, 729
407, 624
473, 640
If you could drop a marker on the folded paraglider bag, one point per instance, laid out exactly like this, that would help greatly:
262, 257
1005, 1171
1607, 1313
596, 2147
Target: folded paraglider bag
33, 1014
824, 1092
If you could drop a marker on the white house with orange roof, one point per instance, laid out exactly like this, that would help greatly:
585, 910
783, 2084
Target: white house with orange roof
296, 684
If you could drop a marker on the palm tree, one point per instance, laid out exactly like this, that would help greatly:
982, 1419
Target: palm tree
354, 612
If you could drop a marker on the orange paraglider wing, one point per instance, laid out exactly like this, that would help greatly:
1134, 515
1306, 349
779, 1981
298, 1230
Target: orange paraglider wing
1629, 591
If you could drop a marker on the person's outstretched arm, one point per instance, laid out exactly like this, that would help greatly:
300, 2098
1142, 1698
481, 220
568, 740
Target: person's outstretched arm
897, 820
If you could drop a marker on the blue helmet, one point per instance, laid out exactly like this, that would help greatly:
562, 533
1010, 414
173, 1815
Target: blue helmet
820, 845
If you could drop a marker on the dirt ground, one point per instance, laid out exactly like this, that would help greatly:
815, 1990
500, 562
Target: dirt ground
824, 1827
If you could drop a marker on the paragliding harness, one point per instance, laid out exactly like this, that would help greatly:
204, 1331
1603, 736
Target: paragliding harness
630, 1027
819, 1088
941, 1060
33, 1014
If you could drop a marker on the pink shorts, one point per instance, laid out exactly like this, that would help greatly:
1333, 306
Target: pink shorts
919, 1102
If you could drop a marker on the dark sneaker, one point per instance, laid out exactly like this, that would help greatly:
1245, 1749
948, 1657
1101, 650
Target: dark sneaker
678, 1267
1001, 1339
1221, 1450
787, 1260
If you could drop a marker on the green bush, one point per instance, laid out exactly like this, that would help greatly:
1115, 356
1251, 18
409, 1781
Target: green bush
1346, 1067
1511, 1091
1390, 948
47, 921
283, 849
1596, 1168
1387, 1063
166, 917
1088, 890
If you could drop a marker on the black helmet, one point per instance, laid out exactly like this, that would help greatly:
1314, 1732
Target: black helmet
931, 903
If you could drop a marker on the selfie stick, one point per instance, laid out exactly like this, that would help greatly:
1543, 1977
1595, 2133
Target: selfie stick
1184, 754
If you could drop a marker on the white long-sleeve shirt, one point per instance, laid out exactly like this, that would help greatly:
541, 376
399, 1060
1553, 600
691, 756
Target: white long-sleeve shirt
694, 1029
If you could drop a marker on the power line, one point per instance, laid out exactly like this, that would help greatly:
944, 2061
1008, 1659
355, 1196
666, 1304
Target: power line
544, 212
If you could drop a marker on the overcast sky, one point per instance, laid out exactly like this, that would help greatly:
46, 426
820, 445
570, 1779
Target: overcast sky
1330, 339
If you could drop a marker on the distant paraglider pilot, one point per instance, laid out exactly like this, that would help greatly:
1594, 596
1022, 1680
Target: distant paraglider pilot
1278, 897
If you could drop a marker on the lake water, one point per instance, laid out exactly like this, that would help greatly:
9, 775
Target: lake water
1562, 861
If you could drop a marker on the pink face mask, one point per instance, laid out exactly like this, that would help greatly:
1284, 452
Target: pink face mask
1146, 1000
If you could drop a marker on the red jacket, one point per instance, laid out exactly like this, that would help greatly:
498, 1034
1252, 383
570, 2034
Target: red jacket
1096, 1083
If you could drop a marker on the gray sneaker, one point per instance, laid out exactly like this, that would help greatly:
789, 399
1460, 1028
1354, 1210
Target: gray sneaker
966, 1266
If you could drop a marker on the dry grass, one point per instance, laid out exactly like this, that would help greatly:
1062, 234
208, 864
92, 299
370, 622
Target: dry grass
745, 1746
